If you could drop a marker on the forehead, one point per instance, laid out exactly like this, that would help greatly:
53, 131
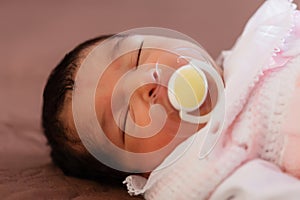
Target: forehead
110, 49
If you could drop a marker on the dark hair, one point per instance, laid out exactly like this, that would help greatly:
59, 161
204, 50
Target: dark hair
60, 83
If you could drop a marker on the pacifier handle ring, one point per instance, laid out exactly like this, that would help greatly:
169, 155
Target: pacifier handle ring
205, 118
171, 83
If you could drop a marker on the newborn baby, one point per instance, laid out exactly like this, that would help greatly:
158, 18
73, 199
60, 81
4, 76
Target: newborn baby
261, 76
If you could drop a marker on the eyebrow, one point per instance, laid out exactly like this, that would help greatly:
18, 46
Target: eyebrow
121, 39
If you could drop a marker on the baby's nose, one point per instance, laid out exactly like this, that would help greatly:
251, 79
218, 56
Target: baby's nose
144, 80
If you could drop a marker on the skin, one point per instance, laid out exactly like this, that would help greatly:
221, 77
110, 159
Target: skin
141, 99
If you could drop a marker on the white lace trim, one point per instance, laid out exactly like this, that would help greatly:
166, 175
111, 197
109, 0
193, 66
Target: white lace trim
135, 184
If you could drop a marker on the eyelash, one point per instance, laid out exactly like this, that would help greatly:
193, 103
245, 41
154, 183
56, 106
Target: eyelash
139, 54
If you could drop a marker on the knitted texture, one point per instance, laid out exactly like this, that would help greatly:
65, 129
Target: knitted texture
260, 72
258, 126
195, 179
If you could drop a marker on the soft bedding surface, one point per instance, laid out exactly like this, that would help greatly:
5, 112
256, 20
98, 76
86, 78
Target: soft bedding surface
26, 171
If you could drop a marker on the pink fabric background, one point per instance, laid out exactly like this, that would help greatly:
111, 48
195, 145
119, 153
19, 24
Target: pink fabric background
35, 35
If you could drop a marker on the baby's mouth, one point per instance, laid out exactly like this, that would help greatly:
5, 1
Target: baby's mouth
162, 98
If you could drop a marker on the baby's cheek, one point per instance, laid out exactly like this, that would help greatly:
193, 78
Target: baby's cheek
291, 130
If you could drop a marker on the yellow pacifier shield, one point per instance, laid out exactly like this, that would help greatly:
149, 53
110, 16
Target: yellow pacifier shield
189, 87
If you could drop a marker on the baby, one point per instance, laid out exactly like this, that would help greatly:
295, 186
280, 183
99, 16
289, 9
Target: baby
60, 128
261, 75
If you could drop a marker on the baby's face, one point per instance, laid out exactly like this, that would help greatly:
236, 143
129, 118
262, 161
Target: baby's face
139, 67
136, 83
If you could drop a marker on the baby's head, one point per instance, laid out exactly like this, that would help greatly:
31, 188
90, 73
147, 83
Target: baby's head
140, 76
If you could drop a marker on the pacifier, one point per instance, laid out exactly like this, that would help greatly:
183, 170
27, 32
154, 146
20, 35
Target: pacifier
187, 91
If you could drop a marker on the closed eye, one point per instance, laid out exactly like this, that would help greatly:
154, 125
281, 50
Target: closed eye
125, 119
139, 55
